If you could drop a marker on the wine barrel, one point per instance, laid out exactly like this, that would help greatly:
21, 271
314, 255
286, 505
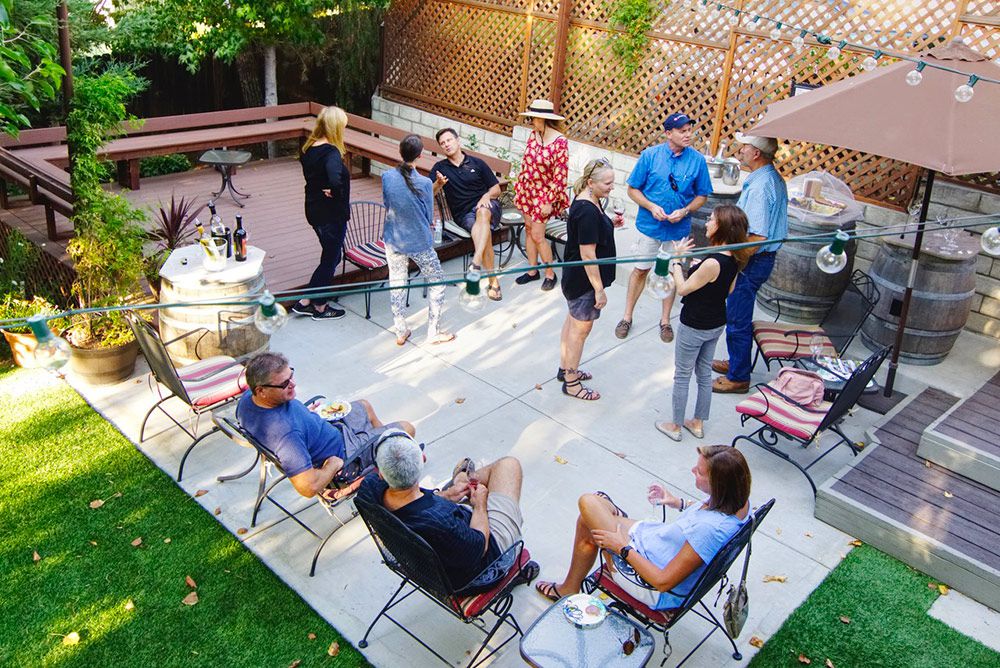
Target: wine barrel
700, 217
797, 277
229, 329
943, 292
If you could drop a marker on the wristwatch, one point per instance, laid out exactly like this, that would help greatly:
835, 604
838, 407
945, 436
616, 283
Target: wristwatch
623, 553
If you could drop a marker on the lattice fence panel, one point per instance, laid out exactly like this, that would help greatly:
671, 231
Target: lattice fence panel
543, 46
906, 25
438, 50
763, 71
604, 106
983, 8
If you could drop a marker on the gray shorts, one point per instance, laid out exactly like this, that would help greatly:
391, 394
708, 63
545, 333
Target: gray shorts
505, 519
469, 219
358, 430
582, 308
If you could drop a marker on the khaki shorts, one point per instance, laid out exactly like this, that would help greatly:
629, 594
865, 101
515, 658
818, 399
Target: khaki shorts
648, 247
504, 518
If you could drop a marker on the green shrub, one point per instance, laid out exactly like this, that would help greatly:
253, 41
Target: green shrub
158, 165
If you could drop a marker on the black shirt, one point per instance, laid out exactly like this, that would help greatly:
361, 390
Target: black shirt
705, 308
587, 225
323, 168
467, 183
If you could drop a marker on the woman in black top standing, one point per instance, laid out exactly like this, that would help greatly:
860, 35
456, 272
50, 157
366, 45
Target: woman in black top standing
589, 236
703, 315
328, 197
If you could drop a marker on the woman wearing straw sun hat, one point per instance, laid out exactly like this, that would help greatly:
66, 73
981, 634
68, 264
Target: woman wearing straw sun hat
540, 190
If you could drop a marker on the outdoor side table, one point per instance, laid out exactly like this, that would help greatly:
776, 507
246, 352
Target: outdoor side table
228, 330
226, 162
833, 380
514, 222
552, 641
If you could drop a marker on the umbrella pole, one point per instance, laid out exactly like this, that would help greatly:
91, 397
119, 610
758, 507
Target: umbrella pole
908, 294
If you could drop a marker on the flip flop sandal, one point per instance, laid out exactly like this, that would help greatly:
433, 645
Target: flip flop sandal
493, 292
561, 375
548, 590
528, 573
618, 509
403, 338
442, 337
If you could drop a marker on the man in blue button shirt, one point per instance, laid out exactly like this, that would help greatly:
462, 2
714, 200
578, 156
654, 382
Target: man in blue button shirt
765, 201
669, 183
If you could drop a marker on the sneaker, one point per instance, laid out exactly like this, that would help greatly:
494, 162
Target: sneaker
298, 308
720, 366
549, 283
329, 313
622, 328
527, 278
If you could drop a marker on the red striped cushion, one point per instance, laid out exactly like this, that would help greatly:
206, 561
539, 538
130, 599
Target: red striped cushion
472, 606
556, 229
205, 367
775, 343
370, 255
656, 616
775, 410
223, 382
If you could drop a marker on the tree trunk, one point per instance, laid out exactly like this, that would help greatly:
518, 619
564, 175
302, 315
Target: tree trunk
246, 65
270, 87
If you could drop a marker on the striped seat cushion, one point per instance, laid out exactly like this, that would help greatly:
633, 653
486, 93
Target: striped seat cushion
787, 417
473, 606
776, 341
456, 230
604, 581
555, 229
369, 255
212, 380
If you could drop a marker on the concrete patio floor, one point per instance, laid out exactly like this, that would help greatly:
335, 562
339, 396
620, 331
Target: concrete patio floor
491, 393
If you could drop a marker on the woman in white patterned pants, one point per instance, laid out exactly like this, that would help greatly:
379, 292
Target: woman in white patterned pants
408, 196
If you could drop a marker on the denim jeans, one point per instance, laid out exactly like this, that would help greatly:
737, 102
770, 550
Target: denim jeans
693, 352
331, 239
739, 314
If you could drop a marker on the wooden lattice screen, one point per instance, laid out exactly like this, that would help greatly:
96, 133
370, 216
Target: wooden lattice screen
481, 60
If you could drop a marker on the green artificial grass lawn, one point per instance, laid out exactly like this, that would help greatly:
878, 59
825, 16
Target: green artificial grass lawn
885, 603
57, 456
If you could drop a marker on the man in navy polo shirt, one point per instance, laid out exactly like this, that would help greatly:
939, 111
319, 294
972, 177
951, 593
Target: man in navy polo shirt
472, 191
669, 183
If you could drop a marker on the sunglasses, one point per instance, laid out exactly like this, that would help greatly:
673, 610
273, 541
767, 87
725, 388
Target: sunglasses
629, 644
673, 182
283, 385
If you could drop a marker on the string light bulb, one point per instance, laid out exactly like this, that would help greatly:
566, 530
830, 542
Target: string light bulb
52, 352
471, 298
871, 62
990, 241
776, 32
659, 282
833, 53
965, 92
915, 76
832, 259
799, 40
270, 316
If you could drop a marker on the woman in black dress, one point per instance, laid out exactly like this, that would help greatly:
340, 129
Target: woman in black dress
328, 197
589, 236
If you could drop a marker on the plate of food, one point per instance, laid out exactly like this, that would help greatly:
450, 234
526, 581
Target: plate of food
511, 215
584, 610
835, 369
333, 410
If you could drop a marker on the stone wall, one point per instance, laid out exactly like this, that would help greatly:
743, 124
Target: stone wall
952, 200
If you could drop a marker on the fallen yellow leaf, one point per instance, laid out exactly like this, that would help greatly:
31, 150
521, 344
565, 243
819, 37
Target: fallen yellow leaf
166, 540
137, 542
538, 386
804, 659
460, 400
201, 492
35, 557
620, 455
756, 642
931, 585
777, 531
189, 581
96, 503
333, 649
217, 511
845, 619
856, 543
295, 664
311, 636
71, 638
927, 463
190, 599
775, 578
116, 495
948, 495
829, 664
560, 460
241, 531
129, 605
93, 542
943, 588
809, 534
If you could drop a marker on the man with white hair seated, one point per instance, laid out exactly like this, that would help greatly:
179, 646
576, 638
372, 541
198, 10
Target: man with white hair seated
467, 537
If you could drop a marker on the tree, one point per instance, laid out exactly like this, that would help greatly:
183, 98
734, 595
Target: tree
29, 70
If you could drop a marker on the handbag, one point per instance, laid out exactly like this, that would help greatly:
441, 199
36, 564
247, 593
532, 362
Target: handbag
737, 605
803, 387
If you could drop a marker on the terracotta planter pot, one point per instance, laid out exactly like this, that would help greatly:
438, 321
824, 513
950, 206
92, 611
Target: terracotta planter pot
101, 366
23, 347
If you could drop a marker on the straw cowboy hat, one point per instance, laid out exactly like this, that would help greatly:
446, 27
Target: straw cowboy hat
543, 109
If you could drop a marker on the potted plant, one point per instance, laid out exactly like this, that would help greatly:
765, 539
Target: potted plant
20, 339
172, 228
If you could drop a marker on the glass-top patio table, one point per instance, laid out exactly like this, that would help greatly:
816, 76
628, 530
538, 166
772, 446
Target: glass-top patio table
226, 162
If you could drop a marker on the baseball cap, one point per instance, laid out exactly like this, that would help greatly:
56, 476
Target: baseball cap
767, 145
675, 121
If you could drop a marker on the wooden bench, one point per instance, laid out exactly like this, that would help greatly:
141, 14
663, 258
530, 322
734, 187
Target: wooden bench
45, 183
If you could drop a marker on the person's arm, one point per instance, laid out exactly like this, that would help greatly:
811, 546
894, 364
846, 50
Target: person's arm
662, 579
311, 482
636, 196
706, 272
589, 252
438, 180
491, 194
334, 171
428, 202
480, 520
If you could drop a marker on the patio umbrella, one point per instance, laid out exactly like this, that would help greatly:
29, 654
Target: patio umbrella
878, 112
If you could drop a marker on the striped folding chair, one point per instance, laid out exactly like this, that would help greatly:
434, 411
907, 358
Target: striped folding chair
363, 246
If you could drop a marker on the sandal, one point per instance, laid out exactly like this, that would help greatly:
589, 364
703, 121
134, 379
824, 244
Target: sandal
666, 332
584, 393
672, 435
548, 590
561, 375
528, 573
493, 292
442, 337
464, 465
697, 432
618, 509
403, 338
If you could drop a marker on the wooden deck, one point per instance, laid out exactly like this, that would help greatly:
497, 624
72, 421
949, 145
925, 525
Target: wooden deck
273, 216
964, 439
933, 519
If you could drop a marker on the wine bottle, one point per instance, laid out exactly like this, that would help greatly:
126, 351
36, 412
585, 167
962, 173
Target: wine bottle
215, 225
240, 240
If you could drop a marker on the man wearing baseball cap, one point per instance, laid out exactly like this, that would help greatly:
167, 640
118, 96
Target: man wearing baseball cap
669, 183
765, 201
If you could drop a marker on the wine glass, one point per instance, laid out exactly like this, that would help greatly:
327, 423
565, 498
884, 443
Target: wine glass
816, 346
618, 207
948, 233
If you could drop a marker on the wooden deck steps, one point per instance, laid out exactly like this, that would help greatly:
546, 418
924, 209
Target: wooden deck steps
965, 439
936, 520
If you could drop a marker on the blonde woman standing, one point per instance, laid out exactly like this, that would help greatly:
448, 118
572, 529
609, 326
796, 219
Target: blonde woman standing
328, 197
540, 191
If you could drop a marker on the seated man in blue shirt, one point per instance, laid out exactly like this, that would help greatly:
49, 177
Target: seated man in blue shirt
311, 450
669, 183
467, 540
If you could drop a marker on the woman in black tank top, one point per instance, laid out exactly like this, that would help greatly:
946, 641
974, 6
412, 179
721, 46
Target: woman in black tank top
703, 315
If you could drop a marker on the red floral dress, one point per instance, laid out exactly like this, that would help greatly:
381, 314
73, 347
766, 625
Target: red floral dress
543, 178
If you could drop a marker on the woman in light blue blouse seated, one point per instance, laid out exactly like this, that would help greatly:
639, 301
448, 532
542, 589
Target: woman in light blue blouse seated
669, 556
409, 198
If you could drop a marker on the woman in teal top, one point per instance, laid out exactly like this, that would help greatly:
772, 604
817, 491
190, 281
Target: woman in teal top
669, 556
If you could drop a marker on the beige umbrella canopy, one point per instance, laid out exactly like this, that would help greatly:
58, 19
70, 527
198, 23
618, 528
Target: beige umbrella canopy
878, 112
